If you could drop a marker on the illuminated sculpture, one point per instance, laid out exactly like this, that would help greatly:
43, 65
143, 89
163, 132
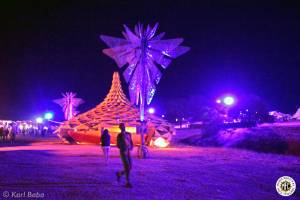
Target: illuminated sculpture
116, 108
142, 51
69, 104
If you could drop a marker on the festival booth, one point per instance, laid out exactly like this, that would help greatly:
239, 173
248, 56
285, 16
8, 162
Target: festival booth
116, 108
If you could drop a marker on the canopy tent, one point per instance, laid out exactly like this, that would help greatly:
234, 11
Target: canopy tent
116, 108
297, 114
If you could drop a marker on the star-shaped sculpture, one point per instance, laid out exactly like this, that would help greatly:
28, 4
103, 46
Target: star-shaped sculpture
144, 52
69, 103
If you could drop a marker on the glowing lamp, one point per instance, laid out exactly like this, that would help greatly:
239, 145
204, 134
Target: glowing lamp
48, 115
39, 120
228, 100
218, 101
151, 110
161, 142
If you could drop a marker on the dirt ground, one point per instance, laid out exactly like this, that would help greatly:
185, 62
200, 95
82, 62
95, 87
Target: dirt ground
50, 170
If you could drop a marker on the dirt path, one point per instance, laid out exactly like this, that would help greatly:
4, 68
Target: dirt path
78, 172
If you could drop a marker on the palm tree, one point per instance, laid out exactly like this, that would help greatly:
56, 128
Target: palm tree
142, 51
69, 104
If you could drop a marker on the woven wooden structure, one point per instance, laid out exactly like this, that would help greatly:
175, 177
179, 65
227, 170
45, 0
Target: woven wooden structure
116, 108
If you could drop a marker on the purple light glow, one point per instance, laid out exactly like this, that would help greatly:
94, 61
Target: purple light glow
151, 110
229, 100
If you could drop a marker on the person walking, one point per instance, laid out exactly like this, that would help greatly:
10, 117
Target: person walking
125, 145
105, 143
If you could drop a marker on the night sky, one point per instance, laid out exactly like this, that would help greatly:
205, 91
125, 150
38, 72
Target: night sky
49, 47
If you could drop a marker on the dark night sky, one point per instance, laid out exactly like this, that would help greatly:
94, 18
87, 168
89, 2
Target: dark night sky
49, 47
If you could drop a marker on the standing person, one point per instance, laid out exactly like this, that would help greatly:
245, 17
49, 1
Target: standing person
11, 134
6, 131
125, 145
23, 130
105, 143
1, 133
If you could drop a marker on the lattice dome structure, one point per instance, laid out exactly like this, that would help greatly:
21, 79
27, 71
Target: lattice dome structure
116, 108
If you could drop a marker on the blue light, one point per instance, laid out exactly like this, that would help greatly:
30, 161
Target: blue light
48, 115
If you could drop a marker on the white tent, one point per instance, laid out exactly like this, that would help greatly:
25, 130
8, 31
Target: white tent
297, 114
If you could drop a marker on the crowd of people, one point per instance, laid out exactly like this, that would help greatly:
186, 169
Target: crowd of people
7, 132
25, 129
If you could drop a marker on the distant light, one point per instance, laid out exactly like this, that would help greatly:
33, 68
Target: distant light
183, 118
151, 110
39, 120
48, 115
176, 120
161, 142
247, 110
228, 100
218, 101
162, 116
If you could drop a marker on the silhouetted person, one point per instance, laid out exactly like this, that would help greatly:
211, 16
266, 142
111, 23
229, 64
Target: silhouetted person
125, 145
5, 132
23, 130
105, 143
1, 133
11, 134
